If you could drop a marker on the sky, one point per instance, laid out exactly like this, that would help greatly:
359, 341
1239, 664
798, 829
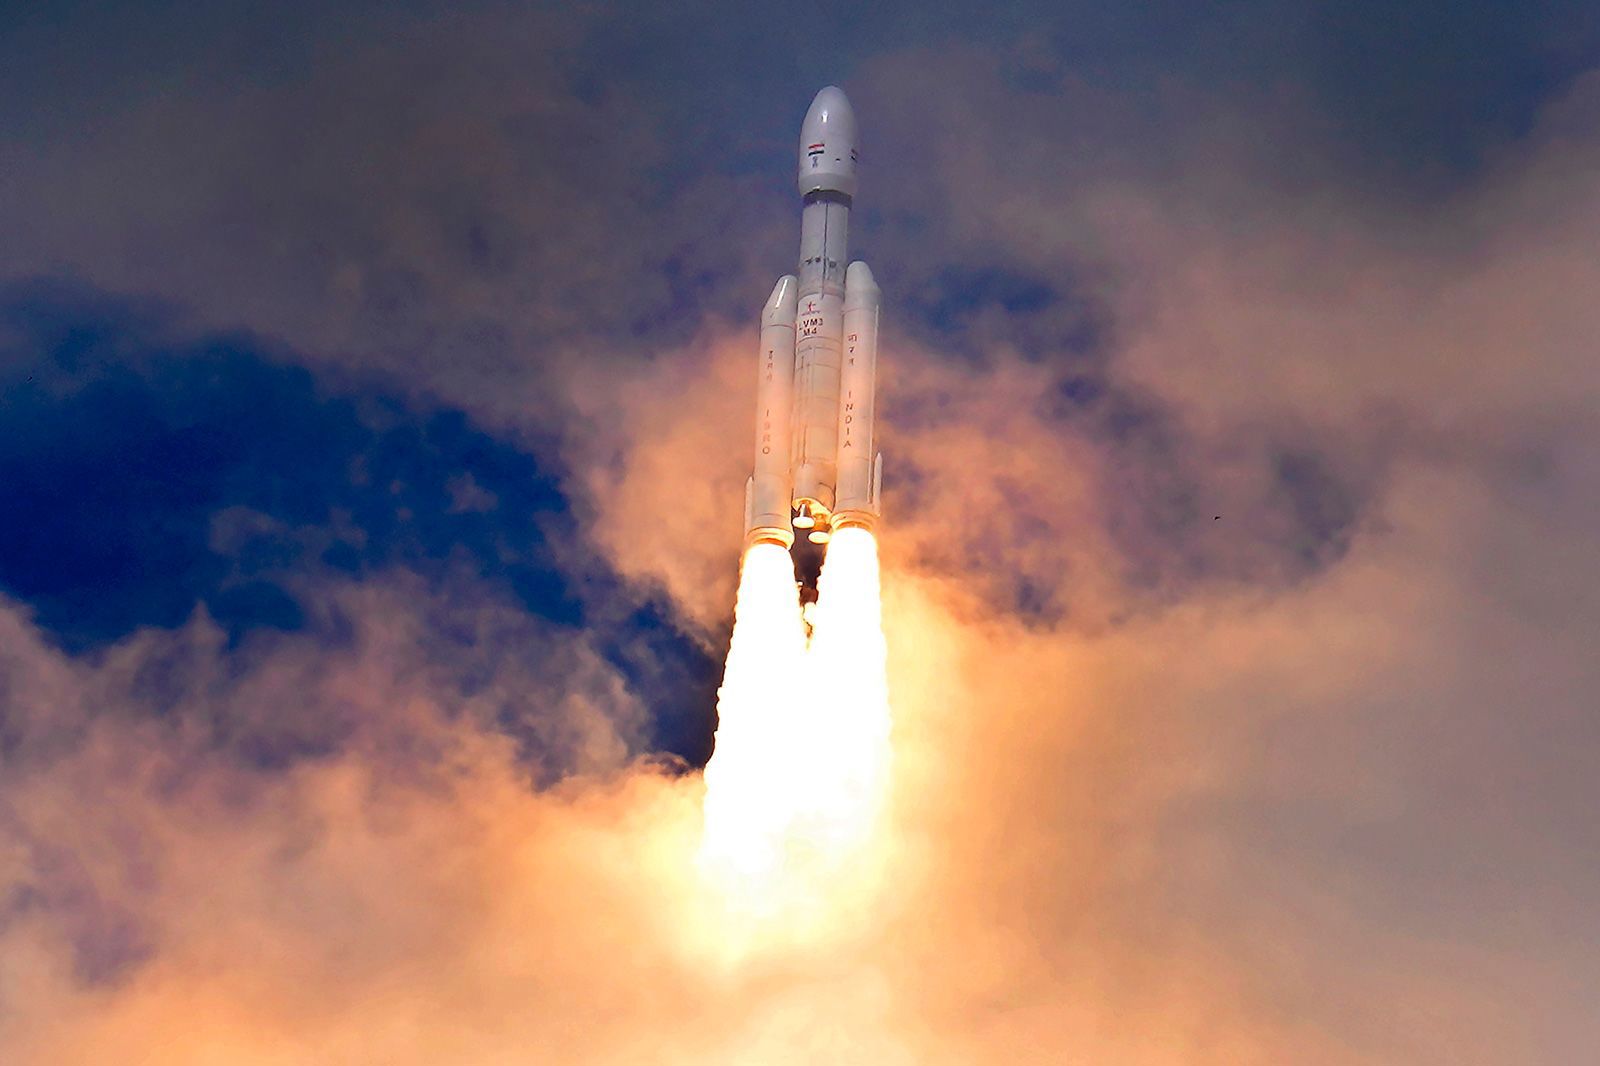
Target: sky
375, 402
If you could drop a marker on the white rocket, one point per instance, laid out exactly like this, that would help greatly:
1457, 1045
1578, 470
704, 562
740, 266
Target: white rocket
815, 467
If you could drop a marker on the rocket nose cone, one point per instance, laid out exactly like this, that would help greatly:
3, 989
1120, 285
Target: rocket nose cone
828, 144
860, 288
859, 276
784, 294
830, 112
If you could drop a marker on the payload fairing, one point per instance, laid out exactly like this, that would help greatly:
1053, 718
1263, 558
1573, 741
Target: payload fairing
815, 467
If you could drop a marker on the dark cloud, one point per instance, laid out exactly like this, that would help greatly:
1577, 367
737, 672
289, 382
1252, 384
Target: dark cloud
468, 197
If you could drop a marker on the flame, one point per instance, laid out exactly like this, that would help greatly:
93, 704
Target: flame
848, 723
751, 781
798, 782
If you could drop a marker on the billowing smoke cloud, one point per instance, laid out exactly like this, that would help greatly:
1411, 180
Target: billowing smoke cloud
1239, 592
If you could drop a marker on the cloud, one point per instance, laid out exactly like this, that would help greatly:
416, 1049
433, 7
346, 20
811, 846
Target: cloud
1308, 781
274, 911
1241, 831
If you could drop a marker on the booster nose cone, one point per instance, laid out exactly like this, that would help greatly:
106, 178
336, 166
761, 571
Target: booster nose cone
828, 145
781, 302
860, 287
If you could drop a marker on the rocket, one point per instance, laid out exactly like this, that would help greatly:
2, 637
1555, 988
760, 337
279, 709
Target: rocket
816, 470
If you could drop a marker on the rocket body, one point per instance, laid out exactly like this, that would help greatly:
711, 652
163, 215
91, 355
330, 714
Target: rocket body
767, 508
829, 474
818, 339
860, 466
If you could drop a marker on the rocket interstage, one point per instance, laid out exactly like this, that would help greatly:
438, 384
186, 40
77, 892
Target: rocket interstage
816, 470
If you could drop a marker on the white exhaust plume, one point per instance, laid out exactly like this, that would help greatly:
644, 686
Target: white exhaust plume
798, 781
752, 779
848, 728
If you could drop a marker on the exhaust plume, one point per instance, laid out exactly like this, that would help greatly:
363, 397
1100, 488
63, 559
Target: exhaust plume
795, 788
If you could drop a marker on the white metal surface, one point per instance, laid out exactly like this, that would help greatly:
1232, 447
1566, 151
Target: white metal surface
819, 326
857, 502
828, 144
827, 181
767, 513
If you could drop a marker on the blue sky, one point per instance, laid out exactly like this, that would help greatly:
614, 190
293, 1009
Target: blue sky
154, 476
